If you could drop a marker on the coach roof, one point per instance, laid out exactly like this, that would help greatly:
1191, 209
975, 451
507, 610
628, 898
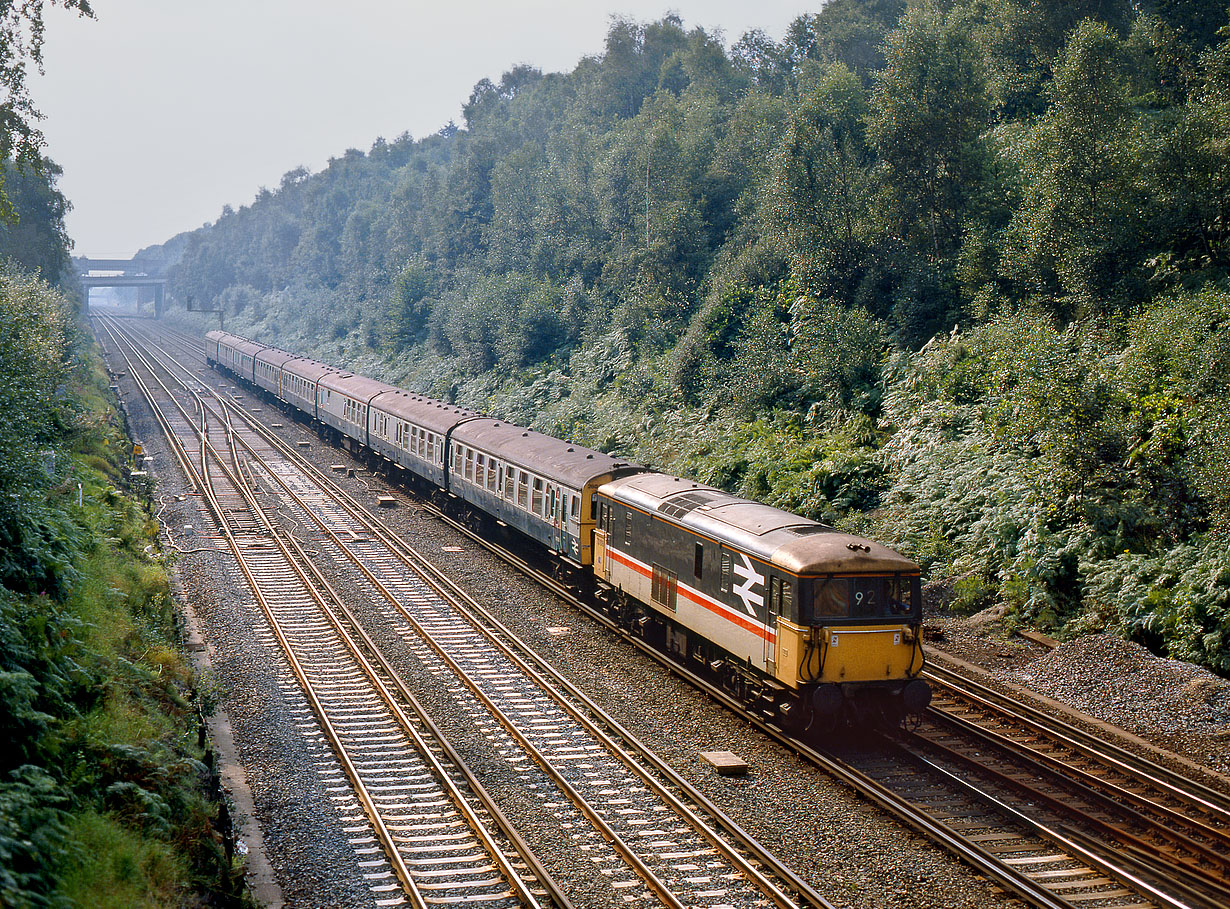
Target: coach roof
796, 544
432, 415
562, 462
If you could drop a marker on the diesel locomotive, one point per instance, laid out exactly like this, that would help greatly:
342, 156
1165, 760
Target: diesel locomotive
808, 624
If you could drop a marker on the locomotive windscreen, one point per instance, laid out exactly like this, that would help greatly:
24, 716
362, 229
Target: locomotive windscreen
870, 599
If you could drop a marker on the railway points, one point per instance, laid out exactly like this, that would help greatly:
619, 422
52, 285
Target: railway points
1057, 881
625, 816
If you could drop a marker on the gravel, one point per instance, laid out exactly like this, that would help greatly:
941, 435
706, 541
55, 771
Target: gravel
840, 844
1172, 705
314, 863
843, 847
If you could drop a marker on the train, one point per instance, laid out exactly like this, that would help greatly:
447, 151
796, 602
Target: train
808, 625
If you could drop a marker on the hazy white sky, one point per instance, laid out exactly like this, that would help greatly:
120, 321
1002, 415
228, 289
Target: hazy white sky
162, 111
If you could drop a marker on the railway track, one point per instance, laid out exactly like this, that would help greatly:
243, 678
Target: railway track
646, 831
423, 837
1163, 829
1073, 858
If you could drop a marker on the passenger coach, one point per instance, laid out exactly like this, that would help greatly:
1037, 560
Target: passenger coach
541, 485
412, 431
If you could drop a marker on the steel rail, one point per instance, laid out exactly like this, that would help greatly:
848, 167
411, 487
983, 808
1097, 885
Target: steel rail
369, 807
1004, 875
1210, 800
1110, 795
558, 897
626, 851
448, 590
1013, 881
289, 545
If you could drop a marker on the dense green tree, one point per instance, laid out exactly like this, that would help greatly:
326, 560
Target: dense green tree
21, 44
948, 272
844, 31
929, 109
817, 192
1080, 217
1023, 40
36, 239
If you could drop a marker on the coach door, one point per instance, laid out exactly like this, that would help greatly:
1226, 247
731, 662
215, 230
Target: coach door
555, 517
775, 610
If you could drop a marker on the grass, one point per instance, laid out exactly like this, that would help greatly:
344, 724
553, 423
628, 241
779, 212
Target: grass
109, 866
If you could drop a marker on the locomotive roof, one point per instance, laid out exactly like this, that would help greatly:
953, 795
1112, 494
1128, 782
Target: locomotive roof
562, 462
356, 386
436, 416
797, 544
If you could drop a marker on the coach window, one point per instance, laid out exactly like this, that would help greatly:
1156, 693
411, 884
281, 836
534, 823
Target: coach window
698, 560
480, 469
523, 489
510, 482
536, 507
575, 502
493, 482
470, 464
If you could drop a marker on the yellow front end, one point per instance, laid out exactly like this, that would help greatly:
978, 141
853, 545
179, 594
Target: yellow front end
864, 653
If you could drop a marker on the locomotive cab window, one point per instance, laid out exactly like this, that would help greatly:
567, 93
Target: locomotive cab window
872, 599
831, 598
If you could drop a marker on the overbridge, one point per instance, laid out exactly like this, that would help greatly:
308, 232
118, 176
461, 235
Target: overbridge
123, 273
